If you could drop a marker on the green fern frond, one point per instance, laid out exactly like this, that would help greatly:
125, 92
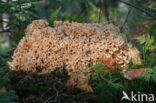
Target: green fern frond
150, 75
54, 16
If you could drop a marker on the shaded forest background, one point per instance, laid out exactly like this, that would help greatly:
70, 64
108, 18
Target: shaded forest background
134, 18
126, 14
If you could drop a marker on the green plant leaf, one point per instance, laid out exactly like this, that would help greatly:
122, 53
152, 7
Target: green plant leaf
147, 44
153, 48
152, 39
141, 39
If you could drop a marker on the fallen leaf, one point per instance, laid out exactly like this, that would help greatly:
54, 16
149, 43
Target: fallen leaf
135, 73
72, 81
64, 94
79, 81
85, 87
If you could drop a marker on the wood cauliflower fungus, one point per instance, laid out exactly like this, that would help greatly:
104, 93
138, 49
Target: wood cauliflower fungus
71, 45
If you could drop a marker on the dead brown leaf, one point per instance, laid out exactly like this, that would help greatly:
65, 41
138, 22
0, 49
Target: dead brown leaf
135, 73
79, 81
3, 90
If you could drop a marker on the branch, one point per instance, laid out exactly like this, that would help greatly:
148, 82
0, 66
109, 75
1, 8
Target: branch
126, 19
142, 10
7, 30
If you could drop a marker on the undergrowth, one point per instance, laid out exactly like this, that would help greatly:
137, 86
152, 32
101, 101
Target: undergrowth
6, 96
108, 87
46, 88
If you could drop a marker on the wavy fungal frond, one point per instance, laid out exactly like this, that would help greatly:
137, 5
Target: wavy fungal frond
73, 45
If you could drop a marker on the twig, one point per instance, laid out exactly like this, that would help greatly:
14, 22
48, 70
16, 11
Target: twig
55, 96
44, 93
55, 99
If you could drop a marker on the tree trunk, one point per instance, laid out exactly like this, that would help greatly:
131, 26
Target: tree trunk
5, 18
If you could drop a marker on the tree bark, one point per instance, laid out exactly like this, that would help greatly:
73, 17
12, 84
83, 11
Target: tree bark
5, 18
